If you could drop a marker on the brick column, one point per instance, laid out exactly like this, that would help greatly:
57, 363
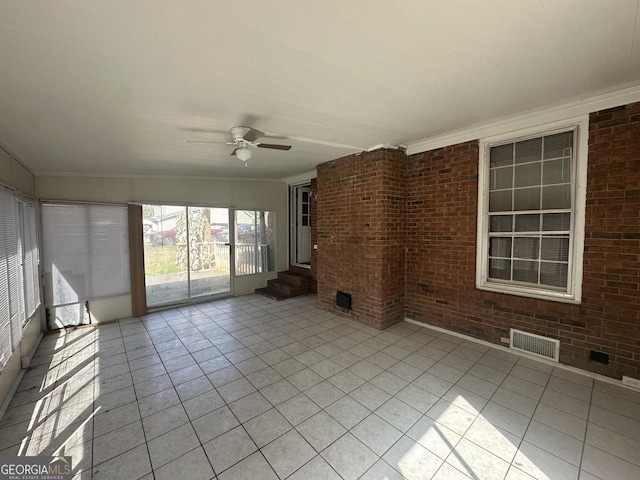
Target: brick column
361, 201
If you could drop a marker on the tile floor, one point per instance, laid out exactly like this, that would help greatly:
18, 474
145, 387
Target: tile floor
249, 388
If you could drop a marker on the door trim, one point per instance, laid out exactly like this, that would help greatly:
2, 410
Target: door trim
293, 224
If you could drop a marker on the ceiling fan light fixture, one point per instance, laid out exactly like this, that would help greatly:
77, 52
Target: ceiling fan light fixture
243, 153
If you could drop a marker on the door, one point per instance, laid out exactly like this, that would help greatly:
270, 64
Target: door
186, 254
302, 225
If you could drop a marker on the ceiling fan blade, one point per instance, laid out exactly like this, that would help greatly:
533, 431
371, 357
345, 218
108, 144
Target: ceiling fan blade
209, 142
253, 134
273, 146
234, 151
318, 142
204, 130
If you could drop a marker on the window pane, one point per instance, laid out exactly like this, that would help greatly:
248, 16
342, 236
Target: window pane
501, 223
500, 201
556, 222
502, 155
525, 271
555, 171
500, 269
526, 199
528, 151
555, 248
554, 274
500, 247
557, 196
558, 145
528, 223
527, 175
255, 245
526, 247
501, 178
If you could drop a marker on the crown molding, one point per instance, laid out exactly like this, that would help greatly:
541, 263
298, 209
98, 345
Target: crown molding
574, 108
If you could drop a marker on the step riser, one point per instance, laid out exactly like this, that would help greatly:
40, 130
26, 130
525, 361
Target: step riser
295, 279
288, 288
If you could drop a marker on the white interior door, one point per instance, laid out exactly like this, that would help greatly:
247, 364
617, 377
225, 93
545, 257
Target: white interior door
303, 225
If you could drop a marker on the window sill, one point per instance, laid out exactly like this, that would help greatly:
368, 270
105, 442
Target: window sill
530, 293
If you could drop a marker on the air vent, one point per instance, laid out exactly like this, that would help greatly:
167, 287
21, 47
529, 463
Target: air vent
535, 345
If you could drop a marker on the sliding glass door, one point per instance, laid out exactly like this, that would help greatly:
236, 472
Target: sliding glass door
186, 253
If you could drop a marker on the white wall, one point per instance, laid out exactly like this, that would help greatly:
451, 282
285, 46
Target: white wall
241, 194
13, 174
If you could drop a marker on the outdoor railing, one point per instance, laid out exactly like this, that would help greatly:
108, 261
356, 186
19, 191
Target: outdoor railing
249, 258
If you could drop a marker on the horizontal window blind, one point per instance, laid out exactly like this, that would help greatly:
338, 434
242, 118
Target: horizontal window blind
19, 278
30, 258
85, 252
10, 276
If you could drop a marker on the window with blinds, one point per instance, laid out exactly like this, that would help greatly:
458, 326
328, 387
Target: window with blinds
85, 256
530, 210
30, 257
19, 279
527, 210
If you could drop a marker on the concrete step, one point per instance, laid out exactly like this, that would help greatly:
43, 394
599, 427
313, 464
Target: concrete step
288, 288
295, 278
273, 293
288, 284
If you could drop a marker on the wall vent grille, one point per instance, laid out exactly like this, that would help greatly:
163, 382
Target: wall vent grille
537, 345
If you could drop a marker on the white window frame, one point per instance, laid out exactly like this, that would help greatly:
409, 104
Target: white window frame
573, 293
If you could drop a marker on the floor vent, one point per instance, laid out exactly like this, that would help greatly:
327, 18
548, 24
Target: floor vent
535, 344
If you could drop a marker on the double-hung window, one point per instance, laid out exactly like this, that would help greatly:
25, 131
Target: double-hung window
531, 214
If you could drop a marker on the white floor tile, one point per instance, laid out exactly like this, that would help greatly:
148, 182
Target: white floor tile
324, 393
250, 406
316, 469
543, 465
131, 464
554, 442
229, 448
349, 457
477, 462
193, 465
452, 417
434, 436
297, 409
607, 466
164, 421
214, 424
347, 411
288, 453
412, 460
254, 466
196, 386
266, 427
171, 445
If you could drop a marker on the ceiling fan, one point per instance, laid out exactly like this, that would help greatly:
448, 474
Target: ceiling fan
243, 139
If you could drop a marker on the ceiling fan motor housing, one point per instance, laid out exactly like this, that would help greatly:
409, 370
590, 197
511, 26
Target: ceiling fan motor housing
238, 133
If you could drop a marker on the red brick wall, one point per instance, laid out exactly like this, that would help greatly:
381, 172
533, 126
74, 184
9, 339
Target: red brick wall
364, 227
441, 239
611, 283
360, 235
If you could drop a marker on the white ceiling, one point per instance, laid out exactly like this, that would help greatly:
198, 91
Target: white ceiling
119, 87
